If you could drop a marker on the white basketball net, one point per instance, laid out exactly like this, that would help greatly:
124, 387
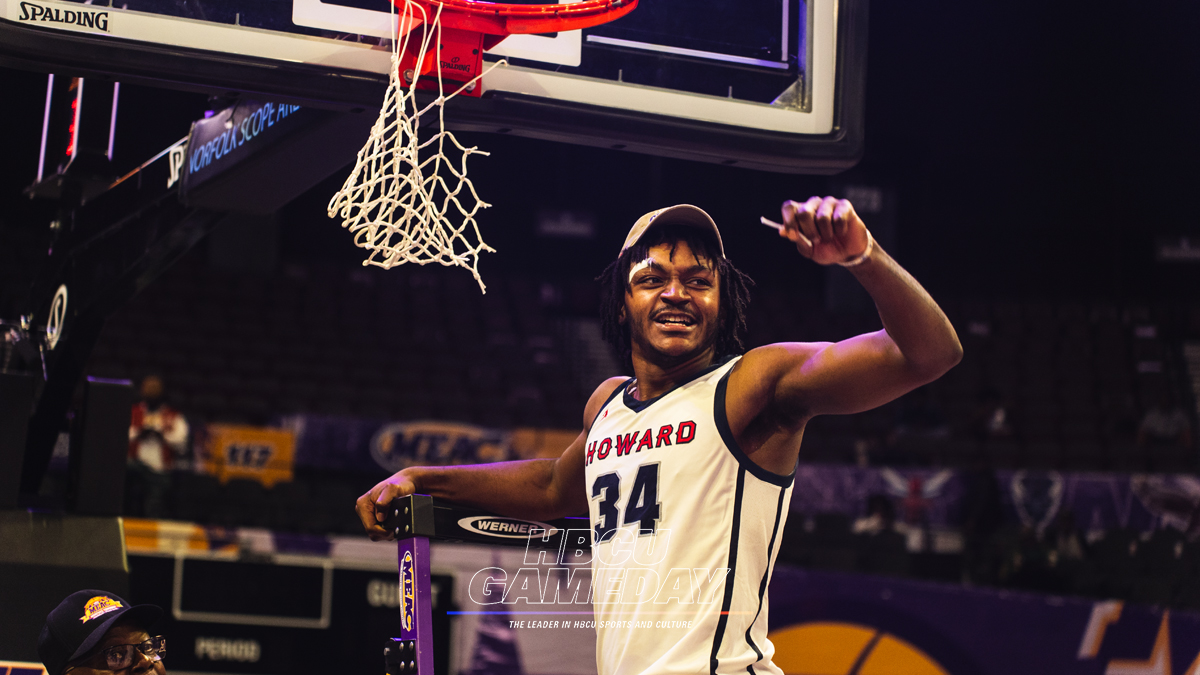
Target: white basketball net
400, 207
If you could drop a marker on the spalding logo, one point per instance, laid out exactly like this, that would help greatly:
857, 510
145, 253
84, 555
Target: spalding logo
508, 528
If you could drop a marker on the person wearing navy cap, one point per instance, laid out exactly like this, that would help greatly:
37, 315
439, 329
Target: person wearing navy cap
95, 631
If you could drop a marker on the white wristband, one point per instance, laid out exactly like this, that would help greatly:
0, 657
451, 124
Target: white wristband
861, 257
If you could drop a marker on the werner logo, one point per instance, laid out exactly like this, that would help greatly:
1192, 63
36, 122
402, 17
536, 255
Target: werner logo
509, 528
82, 18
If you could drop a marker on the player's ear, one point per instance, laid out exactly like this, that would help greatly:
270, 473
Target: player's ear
621, 316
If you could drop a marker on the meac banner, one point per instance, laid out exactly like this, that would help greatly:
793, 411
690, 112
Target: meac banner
933, 497
371, 446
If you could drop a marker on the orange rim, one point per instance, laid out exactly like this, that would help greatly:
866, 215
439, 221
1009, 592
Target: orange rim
506, 19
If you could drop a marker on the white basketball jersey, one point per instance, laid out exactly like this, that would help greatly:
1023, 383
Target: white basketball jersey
685, 531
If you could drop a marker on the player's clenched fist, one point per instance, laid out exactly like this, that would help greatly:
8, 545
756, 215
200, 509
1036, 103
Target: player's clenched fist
372, 507
826, 230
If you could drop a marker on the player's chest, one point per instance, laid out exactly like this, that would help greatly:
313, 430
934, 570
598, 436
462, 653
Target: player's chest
622, 437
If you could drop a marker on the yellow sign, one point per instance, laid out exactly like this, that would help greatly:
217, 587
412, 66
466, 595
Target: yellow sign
21, 668
264, 455
143, 535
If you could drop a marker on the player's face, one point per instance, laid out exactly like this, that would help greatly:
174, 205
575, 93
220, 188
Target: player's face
672, 304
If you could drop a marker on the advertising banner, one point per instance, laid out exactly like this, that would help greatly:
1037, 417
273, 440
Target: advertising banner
920, 495
371, 446
1103, 501
21, 668
264, 455
939, 498
942, 497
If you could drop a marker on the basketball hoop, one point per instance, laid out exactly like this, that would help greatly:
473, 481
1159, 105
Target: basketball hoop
405, 201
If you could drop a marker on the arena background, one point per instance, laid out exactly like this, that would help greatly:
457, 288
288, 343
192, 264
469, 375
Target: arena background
1035, 168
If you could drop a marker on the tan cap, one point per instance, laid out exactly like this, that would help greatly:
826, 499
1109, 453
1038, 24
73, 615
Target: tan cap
680, 214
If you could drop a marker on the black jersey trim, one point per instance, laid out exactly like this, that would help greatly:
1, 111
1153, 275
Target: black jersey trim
638, 406
727, 601
743, 459
620, 388
762, 586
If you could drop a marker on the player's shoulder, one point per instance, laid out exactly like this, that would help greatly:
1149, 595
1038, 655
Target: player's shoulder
599, 397
777, 356
754, 381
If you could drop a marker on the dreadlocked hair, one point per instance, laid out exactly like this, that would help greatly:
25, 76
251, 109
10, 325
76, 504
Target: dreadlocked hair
733, 284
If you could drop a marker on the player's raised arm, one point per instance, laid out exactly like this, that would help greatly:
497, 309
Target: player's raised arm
916, 346
537, 489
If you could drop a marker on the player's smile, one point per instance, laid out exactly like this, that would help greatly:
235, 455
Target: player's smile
673, 318
673, 301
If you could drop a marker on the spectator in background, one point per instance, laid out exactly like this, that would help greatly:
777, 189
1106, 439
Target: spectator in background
158, 443
158, 433
1165, 424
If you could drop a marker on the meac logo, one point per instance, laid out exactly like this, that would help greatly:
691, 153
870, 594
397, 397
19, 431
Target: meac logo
408, 591
404, 444
99, 606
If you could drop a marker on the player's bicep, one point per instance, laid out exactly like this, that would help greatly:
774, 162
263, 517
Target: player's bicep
849, 376
567, 485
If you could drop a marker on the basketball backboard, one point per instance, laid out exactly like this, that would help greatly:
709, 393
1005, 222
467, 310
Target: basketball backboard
768, 84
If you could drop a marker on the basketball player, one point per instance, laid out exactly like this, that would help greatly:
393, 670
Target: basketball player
686, 468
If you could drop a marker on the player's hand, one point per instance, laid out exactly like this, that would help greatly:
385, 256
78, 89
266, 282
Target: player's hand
825, 230
372, 507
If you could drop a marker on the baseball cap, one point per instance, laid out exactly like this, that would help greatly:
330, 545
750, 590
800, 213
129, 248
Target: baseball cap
680, 214
80, 622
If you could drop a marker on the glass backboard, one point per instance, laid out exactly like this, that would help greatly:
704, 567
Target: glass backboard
768, 84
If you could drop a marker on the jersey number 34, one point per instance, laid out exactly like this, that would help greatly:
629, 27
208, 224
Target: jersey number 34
641, 508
